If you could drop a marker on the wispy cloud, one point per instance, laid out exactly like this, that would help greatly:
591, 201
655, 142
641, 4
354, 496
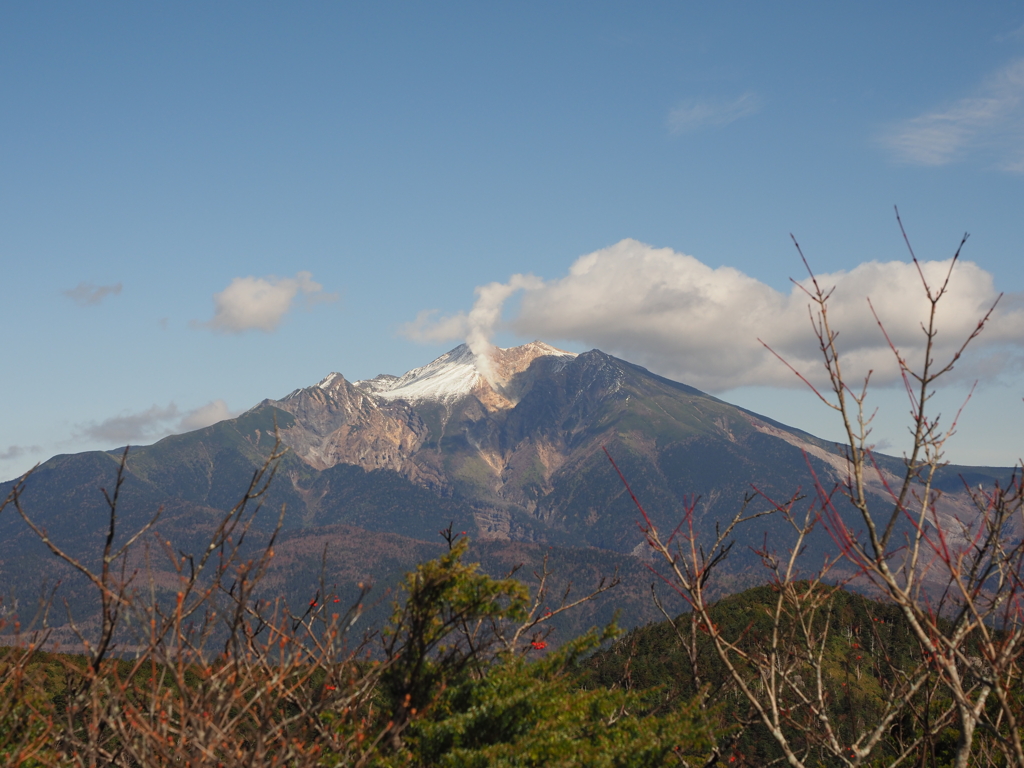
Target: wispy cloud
1012, 34
695, 115
260, 303
130, 427
87, 294
990, 121
153, 423
17, 451
681, 318
429, 327
205, 415
885, 444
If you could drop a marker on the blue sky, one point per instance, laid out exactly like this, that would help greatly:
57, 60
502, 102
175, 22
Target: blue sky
202, 205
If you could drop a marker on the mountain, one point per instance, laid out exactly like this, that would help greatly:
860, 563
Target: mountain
508, 447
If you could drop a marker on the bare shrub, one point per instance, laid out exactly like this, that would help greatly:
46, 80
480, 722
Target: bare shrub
212, 675
954, 582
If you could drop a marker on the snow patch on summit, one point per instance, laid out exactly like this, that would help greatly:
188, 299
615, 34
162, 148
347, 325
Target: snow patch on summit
450, 377
455, 374
325, 382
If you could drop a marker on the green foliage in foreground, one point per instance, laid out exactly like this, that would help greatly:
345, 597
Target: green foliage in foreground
536, 714
464, 678
868, 642
484, 707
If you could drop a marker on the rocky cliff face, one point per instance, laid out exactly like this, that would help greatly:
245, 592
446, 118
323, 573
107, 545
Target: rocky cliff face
337, 423
399, 422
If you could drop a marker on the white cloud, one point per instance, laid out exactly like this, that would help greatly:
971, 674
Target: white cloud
153, 423
677, 316
87, 294
990, 121
428, 327
205, 415
260, 303
695, 115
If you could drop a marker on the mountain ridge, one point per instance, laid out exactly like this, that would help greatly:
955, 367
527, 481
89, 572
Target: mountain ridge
520, 461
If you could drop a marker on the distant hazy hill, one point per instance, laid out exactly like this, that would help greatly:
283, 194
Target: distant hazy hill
515, 459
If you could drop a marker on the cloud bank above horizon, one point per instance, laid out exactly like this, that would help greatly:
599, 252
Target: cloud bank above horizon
683, 319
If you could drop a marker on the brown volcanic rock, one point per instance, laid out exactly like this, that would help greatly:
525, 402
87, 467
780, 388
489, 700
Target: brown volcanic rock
383, 423
337, 423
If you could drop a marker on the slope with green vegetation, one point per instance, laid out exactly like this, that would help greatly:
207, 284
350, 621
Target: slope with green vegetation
868, 643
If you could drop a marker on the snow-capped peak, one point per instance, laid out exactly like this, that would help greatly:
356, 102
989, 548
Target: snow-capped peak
451, 376
454, 374
326, 381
